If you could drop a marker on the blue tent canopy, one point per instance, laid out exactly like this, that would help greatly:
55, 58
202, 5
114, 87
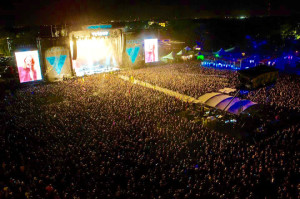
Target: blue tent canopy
220, 52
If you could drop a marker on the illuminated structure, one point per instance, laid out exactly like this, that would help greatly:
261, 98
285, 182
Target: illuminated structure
220, 64
231, 59
151, 50
225, 102
29, 67
57, 62
96, 49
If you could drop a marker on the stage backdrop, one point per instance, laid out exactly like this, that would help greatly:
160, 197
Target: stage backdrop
57, 63
96, 51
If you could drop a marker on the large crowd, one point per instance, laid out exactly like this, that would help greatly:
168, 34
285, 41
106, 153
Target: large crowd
103, 137
186, 78
191, 79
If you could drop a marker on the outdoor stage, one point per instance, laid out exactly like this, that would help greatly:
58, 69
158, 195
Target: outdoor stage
96, 51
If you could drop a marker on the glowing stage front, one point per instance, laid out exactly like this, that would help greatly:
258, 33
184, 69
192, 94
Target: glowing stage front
97, 54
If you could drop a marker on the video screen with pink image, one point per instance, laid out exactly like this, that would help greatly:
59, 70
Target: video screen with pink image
151, 50
28, 64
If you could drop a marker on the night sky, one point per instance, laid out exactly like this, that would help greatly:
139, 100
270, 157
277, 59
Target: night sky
72, 11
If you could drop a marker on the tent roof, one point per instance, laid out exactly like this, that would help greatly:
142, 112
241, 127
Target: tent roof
230, 49
207, 96
233, 50
225, 103
169, 56
221, 101
179, 53
214, 101
187, 48
240, 106
220, 52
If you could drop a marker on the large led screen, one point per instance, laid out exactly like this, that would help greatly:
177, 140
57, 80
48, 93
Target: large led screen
28, 64
151, 50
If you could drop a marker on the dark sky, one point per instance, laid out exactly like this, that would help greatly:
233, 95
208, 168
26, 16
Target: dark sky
61, 11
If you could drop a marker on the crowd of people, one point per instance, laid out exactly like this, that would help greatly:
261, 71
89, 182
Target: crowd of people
186, 78
103, 137
191, 79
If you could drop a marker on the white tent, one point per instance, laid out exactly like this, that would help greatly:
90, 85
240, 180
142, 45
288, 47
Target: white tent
207, 96
196, 47
179, 53
169, 56
221, 101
